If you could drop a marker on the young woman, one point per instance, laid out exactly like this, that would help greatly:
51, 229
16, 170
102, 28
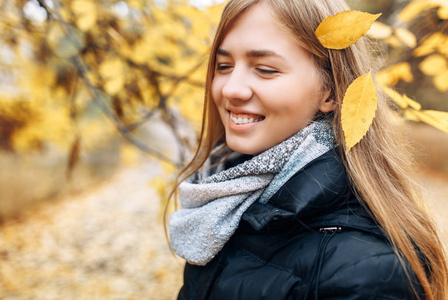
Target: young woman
274, 208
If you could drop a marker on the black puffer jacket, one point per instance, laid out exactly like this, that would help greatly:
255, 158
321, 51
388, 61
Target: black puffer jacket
312, 240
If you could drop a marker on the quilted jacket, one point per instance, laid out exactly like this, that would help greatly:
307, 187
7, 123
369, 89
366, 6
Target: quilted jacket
312, 240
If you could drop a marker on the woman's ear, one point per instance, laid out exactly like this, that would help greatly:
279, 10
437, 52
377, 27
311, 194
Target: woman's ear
326, 104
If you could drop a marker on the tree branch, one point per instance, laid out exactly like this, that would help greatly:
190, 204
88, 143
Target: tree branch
97, 98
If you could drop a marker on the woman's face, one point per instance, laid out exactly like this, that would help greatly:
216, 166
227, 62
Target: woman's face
266, 87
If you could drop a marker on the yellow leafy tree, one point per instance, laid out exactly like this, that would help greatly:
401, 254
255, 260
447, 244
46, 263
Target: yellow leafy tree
79, 62
420, 38
85, 70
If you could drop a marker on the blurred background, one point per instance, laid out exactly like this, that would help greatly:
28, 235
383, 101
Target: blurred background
100, 104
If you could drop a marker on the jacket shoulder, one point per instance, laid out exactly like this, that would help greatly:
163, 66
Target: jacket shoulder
359, 265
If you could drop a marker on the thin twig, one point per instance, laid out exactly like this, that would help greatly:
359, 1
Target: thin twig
106, 110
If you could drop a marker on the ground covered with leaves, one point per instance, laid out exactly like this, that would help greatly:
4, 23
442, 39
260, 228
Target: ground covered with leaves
105, 244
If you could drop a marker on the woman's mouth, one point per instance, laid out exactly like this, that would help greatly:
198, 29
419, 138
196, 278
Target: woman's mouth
240, 119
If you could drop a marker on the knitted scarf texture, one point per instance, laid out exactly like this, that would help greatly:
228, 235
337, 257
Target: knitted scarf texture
212, 207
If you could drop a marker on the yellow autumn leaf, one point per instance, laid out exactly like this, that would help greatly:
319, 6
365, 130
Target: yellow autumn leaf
437, 119
436, 41
394, 42
433, 65
343, 29
442, 48
396, 97
414, 8
391, 75
411, 115
379, 30
112, 71
401, 100
86, 13
441, 81
406, 37
442, 13
358, 109
440, 116
412, 103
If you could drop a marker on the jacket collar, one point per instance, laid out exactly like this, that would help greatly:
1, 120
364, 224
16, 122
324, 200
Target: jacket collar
319, 195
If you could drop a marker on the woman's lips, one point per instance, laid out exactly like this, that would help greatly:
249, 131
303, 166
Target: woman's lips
245, 118
242, 122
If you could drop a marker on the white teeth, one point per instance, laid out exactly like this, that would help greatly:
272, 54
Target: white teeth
243, 120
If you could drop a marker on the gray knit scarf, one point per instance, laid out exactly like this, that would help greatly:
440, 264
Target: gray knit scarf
212, 208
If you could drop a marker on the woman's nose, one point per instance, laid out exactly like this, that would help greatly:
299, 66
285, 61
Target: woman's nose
237, 86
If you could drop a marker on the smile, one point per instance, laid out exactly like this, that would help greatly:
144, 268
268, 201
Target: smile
245, 118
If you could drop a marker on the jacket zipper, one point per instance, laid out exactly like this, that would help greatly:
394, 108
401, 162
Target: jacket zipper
328, 233
330, 229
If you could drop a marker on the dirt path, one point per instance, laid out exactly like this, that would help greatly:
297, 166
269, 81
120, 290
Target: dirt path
109, 244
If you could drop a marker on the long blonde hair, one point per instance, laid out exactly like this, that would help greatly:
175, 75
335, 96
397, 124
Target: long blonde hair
378, 166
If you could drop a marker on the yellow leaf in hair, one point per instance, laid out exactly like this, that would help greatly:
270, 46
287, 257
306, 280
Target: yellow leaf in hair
414, 9
358, 109
441, 81
433, 65
406, 37
343, 29
379, 30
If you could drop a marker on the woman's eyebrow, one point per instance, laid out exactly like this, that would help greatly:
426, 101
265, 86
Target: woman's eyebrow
223, 52
251, 53
261, 53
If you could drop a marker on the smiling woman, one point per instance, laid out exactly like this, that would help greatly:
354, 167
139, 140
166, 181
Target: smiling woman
259, 68
274, 204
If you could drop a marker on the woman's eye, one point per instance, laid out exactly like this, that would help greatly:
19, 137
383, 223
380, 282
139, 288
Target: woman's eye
267, 71
222, 67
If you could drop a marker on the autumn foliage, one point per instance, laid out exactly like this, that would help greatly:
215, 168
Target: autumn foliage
82, 69
78, 72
